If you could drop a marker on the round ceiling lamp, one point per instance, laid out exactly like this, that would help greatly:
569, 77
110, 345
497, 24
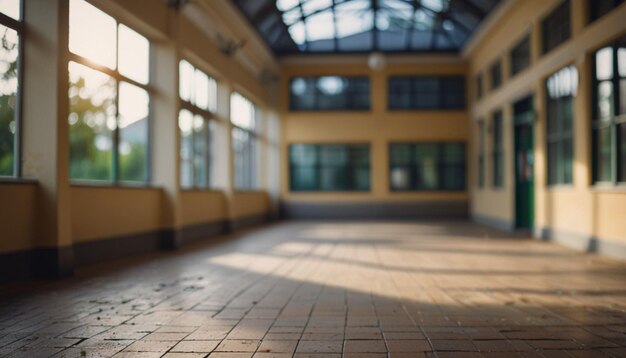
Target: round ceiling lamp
377, 61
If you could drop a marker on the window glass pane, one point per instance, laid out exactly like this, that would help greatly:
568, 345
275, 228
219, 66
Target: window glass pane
242, 112
134, 108
622, 97
185, 125
9, 54
201, 81
303, 178
401, 154
212, 95
605, 100
11, 8
446, 92
329, 93
400, 93
520, 56
185, 81
556, 27
93, 34
599, 8
200, 150
426, 158
621, 130
604, 64
334, 155
303, 161
244, 153
303, 155
561, 87
92, 120
329, 167
401, 178
134, 55
604, 144
621, 60
496, 75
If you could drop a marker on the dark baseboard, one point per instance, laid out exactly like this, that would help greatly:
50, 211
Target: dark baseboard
375, 210
584, 242
60, 262
198, 232
49, 262
497, 223
248, 221
98, 251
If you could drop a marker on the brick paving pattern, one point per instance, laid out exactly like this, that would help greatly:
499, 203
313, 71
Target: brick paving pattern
325, 289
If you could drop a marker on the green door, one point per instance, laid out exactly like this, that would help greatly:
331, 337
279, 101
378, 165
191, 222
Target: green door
524, 164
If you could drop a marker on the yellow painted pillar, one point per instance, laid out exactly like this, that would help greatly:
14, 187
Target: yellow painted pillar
45, 134
165, 133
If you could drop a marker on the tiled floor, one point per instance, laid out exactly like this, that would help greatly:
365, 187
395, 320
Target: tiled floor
330, 289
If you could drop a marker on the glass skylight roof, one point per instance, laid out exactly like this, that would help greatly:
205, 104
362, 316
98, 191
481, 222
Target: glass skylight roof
321, 26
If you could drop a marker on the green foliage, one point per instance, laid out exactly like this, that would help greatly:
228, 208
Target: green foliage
8, 103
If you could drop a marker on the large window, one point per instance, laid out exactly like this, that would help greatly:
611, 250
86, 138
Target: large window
556, 27
328, 93
561, 89
609, 115
427, 166
599, 8
481, 153
329, 167
10, 30
198, 94
497, 147
496, 74
108, 95
245, 141
425, 92
520, 56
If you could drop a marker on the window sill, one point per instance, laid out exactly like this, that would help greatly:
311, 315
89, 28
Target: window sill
560, 187
609, 188
112, 185
18, 181
249, 191
201, 190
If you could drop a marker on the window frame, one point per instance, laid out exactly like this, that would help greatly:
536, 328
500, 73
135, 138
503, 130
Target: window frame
115, 74
316, 108
526, 40
441, 92
559, 136
496, 67
352, 165
545, 32
18, 26
614, 122
481, 153
594, 15
209, 118
480, 86
440, 145
255, 139
497, 149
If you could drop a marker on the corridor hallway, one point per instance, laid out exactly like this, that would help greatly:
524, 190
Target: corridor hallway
330, 289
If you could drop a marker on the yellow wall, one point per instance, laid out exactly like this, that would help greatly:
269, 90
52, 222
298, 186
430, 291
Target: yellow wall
247, 204
100, 213
18, 216
201, 206
378, 127
580, 208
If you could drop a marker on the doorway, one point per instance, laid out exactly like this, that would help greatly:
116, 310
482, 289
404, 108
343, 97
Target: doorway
524, 118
